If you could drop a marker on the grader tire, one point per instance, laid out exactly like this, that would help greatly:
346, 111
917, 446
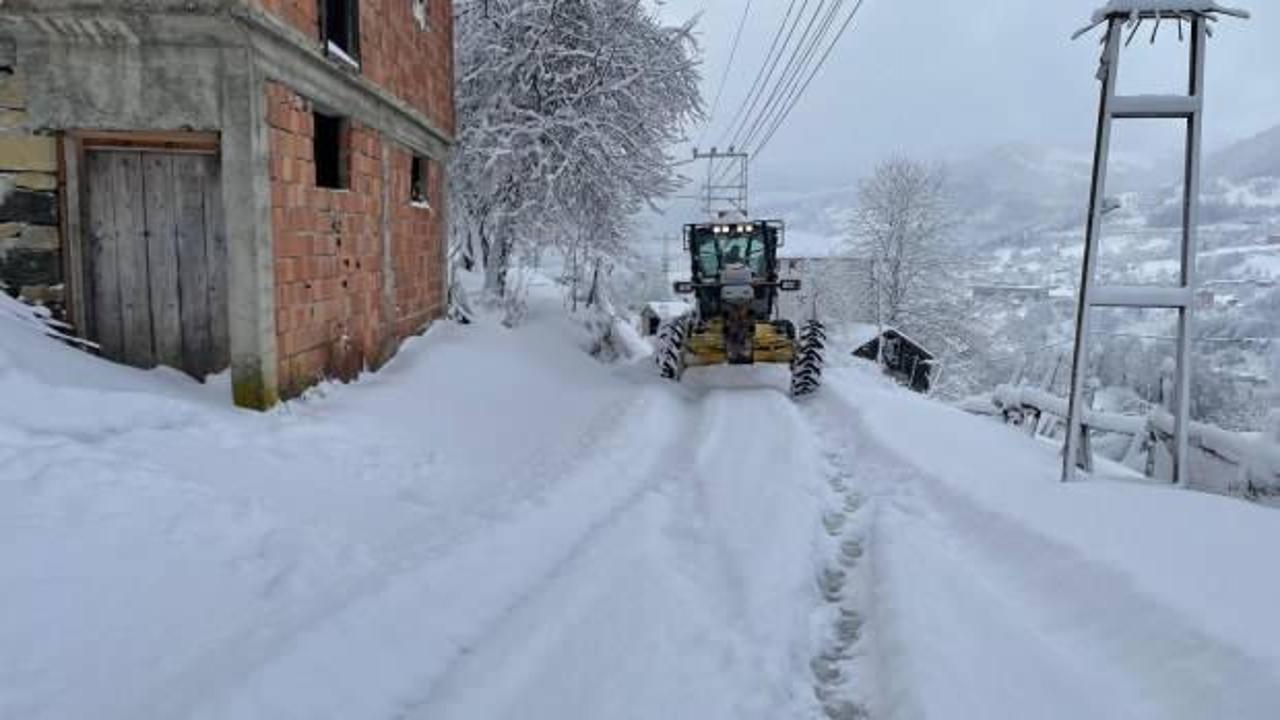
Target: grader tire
806, 367
670, 352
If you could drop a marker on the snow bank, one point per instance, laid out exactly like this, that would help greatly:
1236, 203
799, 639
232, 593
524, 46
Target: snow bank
1194, 559
1256, 458
161, 548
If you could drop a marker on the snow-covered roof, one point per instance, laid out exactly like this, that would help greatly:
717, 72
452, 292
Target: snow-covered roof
860, 334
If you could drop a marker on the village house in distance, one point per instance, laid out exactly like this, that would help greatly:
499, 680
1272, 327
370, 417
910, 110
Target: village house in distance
256, 184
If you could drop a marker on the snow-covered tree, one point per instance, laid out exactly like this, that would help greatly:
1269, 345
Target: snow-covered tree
904, 231
903, 228
566, 112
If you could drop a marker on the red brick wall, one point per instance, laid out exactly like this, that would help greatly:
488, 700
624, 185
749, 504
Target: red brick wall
332, 318
413, 64
417, 241
303, 15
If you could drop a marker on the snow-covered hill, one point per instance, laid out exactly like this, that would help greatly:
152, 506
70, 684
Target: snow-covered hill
1022, 214
1255, 157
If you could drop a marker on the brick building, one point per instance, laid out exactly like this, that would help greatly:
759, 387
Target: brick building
248, 183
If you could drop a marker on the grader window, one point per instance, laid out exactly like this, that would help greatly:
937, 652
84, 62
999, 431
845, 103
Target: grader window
718, 251
746, 250
708, 258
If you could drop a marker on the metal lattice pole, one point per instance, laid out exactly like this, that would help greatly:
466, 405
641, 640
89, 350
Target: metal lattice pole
1188, 108
1097, 194
727, 185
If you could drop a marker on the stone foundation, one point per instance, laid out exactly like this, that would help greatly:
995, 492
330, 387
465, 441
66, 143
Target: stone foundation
30, 241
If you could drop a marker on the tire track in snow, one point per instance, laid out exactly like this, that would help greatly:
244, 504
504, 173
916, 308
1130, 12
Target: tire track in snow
664, 611
758, 493
458, 676
1029, 626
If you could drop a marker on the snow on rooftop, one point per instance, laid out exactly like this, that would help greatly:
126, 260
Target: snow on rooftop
859, 334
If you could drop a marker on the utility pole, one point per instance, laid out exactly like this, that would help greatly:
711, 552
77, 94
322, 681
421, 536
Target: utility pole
1188, 110
727, 182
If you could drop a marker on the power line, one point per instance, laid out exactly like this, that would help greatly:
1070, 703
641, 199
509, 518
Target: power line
803, 67
795, 69
793, 99
724, 79
818, 68
760, 73
768, 76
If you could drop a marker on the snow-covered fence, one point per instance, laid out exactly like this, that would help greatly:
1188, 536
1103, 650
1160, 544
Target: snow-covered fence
1222, 461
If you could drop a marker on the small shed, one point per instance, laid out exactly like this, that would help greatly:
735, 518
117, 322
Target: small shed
905, 359
654, 314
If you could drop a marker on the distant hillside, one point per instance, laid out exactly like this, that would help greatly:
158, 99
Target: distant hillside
1009, 192
1255, 157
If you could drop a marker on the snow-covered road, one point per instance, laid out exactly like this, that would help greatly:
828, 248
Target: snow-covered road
497, 526
690, 599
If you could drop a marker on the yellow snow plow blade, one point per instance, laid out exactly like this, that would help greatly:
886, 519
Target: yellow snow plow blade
769, 345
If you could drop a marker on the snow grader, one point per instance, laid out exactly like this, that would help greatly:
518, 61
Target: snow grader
735, 283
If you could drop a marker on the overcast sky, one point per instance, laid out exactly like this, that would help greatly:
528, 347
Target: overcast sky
937, 78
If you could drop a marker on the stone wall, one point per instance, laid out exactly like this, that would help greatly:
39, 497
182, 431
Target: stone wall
357, 269
30, 243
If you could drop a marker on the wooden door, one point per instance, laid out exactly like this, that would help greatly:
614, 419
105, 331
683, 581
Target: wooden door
156, 259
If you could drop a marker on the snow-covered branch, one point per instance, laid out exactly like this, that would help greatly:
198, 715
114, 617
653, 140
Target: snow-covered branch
566, 109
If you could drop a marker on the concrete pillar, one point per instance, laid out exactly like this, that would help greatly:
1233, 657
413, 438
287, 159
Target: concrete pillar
246, 192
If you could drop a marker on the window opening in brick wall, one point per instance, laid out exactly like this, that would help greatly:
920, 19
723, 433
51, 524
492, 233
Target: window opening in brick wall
419, 182
421, 11
340, 29
331, 152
